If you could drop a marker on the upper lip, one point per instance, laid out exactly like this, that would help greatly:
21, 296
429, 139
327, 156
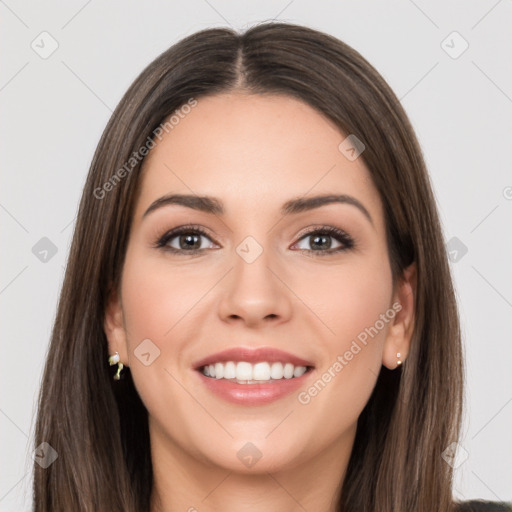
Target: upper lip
251, 355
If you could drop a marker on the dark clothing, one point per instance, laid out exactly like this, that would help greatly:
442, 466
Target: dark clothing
483, 506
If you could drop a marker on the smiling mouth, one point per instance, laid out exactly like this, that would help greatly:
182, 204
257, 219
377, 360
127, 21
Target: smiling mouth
243, 372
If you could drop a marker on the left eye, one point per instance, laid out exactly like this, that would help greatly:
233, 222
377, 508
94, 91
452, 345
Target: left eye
321, 240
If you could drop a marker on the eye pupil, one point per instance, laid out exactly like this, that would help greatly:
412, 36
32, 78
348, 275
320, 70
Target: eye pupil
318, 239
190, 241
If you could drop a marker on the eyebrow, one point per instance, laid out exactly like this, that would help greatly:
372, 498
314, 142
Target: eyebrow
214, 206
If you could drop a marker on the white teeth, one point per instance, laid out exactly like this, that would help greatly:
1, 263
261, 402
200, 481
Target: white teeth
261, 371
219, 370
288, 371
276, 372
299, 370
244, 372
230, 370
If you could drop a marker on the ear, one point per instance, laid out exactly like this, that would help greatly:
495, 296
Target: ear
114, 328
398, 338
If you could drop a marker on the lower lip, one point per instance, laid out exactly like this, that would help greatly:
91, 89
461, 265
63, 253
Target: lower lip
253, 394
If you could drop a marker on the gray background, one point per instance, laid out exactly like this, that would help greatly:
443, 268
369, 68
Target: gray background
55, 108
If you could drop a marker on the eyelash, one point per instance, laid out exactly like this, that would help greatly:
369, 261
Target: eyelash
341, 236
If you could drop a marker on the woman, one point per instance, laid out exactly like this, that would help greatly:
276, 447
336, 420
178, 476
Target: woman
254, 373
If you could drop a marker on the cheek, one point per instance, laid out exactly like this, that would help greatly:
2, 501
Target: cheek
346, 300
156, 300
364, 300
157, 306
351, 303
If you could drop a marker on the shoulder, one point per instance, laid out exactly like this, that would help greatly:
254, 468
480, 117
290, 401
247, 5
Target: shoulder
482, 506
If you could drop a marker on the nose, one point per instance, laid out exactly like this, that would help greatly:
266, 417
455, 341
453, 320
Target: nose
255, 293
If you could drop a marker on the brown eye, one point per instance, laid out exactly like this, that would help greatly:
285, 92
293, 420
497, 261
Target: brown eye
185, 239
319, 241
326, 240
190, 241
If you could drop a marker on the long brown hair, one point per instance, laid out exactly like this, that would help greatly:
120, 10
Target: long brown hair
99, 427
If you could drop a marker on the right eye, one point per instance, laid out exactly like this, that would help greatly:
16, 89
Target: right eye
185, 239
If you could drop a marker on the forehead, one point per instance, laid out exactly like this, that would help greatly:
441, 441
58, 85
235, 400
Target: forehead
254, 151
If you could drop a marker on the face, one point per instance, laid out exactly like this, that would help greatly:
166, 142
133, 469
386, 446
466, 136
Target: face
312, 280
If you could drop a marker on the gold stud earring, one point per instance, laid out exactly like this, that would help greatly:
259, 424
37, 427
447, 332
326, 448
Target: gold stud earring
398, 362
115, 359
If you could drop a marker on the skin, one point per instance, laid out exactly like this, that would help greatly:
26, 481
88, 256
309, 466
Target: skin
254, 153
